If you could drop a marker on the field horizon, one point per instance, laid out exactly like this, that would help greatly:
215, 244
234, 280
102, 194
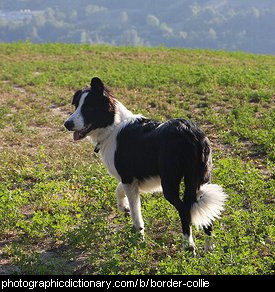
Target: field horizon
57, 202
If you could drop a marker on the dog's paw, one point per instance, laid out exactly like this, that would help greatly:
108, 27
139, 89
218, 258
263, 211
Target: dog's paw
189, 247
139, 231
124, 207
126, 212
208, 245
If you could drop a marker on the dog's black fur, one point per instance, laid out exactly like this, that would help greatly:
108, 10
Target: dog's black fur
172, 150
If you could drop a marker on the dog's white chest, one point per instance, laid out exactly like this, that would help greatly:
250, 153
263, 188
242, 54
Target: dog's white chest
107, 153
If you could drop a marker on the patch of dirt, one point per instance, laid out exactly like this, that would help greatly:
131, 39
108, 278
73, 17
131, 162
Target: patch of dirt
19, 88
6, 266
59, 111
65, 258
57, 257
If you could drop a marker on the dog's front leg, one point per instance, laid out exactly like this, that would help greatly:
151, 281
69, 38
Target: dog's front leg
131, 191
122, 200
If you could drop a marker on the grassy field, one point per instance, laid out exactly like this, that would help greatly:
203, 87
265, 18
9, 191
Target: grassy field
57, 204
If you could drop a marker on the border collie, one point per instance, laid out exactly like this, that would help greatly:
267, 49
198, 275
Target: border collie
147, 156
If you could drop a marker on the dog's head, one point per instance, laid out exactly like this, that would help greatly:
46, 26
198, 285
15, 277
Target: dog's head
94, 109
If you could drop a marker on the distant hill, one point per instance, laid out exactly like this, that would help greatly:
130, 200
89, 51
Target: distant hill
216, 24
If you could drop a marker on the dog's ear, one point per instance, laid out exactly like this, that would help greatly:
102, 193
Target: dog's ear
97, 85
76, 98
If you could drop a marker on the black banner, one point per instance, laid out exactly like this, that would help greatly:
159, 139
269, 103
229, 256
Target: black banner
46, 283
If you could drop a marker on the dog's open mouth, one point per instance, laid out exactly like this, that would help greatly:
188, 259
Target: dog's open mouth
79, 135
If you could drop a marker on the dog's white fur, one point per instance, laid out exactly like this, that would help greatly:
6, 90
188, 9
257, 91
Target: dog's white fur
209, 205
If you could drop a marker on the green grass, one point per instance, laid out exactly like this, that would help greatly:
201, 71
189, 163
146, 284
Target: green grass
57, 204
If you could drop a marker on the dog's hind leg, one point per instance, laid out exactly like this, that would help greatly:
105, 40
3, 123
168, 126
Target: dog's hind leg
189, 197
131, 191
171, 193
122, 200
208, 237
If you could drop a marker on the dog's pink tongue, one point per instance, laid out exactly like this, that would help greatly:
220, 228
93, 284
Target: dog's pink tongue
76, 135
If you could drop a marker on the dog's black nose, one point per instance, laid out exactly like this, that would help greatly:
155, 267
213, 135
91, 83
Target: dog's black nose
69, 125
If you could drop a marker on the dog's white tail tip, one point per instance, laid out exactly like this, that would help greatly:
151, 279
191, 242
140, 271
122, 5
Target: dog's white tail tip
210, 203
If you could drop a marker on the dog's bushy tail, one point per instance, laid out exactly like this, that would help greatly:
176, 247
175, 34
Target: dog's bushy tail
209, 205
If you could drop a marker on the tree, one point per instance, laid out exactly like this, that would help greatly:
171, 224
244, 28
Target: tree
124, 17
152, 20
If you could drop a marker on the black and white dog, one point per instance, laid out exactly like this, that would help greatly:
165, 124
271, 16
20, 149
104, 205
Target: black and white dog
145, 156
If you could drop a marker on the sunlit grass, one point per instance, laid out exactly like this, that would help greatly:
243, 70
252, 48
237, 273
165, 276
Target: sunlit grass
57, 204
